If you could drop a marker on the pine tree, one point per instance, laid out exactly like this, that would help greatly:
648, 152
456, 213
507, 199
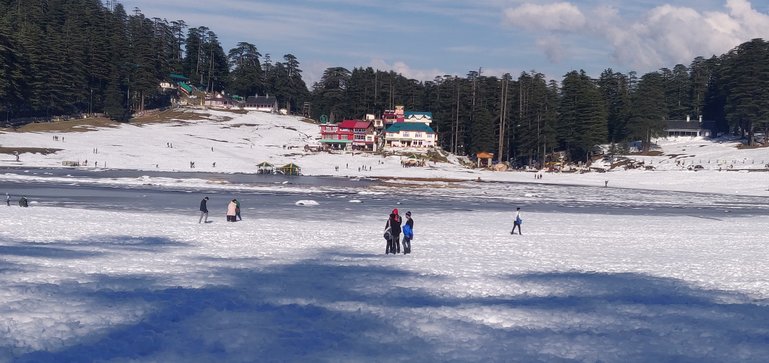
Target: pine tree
482, 132
246, 78
329, 94
582, 121
746, 85
116, 99
615, 92
677, 92
648, 116
10, 72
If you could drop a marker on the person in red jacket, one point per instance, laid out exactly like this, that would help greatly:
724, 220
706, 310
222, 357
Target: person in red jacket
394, 224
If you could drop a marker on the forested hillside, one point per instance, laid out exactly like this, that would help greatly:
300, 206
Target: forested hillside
64, 57
68, 57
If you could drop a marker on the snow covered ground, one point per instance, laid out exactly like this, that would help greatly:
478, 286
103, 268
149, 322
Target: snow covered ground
586, 285
238, 142
85, 285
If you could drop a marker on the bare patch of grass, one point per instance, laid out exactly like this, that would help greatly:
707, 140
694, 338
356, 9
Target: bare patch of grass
748, 147
431, 180
650, 153
309, 121
74, 125
168, 116
23, 150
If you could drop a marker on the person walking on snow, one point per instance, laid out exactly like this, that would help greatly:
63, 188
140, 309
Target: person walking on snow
518, 221
408, 233
394, 224
231, 208
237, 209
203, 210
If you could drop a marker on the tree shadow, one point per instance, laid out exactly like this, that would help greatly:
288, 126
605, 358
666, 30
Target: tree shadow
74, 249
45, 251
317, 310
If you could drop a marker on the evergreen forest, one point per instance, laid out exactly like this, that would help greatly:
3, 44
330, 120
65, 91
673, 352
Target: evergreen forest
75, 57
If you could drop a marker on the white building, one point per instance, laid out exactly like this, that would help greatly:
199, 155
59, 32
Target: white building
410, 135
423, 117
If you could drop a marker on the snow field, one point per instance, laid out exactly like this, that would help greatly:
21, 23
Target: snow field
238, 142
618, 279
161, 287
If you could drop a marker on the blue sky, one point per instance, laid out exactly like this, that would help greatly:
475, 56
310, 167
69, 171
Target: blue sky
427, 38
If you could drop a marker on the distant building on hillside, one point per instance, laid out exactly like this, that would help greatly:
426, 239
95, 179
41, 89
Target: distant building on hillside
261, 103
390, 117
356, 134
416, 116
218, 100
410, 135
689, 128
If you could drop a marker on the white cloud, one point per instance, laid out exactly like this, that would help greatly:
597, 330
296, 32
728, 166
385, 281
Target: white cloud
312, 72
552, 47
405, 69
661, 37
554, 17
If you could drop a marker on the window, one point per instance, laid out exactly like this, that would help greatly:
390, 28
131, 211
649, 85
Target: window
418, 135
406, 134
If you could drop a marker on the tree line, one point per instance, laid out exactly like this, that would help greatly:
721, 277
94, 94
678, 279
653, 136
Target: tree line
64, 57
525, 119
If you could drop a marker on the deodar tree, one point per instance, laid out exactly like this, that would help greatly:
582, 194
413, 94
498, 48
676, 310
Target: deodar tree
648, 113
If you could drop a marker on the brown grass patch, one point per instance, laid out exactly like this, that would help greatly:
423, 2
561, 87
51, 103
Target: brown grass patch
75, 125
444, 180
308, 120
168, 116
22, 150
650, 153
748, 147
415, 186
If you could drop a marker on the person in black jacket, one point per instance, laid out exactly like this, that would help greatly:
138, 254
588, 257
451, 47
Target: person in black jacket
203, 210
394, 224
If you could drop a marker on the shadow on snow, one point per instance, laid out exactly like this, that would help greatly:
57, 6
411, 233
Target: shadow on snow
315, 310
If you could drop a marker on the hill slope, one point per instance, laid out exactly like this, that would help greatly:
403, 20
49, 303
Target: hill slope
228, 142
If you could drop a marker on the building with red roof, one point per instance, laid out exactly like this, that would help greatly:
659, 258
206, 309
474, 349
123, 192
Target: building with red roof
355, 134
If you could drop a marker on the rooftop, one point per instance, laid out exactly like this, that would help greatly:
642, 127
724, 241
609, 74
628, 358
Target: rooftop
409, 126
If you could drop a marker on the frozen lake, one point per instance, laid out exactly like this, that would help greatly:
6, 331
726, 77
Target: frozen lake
119, 270
345, 196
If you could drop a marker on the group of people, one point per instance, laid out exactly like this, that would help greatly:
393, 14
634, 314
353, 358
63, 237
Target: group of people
394, 227
393, 230
392, 233
23, 202
233, 211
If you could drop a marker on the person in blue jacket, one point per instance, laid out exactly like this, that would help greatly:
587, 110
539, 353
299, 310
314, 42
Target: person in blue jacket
518, 221
408, 233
